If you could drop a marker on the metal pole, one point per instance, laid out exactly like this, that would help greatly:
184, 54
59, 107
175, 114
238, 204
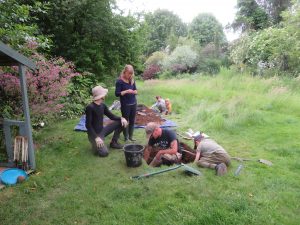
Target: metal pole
27, 116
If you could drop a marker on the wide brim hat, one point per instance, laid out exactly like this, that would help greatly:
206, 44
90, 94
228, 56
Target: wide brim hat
99, 92
198, 137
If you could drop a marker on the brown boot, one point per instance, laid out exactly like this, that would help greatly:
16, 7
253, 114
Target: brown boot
221, 169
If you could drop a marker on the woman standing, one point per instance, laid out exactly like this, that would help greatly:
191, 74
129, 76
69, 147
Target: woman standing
126, 90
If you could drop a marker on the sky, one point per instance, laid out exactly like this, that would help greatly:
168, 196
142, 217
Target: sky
223, 10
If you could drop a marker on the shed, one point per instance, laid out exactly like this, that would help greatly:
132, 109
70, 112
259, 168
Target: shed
10, 57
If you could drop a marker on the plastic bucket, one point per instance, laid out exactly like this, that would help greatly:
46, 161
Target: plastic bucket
133, 154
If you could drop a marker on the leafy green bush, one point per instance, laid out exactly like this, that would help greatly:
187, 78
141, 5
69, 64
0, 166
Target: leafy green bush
209, 66
79, 95
182, 59
18, 26
166, 75
156, 58
272, 50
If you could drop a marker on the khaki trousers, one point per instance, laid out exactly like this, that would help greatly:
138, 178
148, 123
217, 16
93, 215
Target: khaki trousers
210, 160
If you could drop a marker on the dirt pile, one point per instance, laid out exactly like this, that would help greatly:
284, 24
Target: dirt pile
188, 154
145, 115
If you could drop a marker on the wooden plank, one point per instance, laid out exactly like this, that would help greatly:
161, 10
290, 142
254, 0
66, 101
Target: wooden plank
27, 129
11, 54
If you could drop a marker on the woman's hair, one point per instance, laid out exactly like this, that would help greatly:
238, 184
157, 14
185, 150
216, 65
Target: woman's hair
129, 68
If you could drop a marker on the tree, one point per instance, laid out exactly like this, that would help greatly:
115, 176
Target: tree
182, 59
206, 29
90, 34
275, 49
17, 26
163, 27
274, 8
250, 16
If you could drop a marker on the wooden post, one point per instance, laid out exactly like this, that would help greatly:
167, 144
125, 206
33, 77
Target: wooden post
27, 116
8, 142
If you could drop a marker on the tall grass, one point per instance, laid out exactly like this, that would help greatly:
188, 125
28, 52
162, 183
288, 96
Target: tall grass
252, 117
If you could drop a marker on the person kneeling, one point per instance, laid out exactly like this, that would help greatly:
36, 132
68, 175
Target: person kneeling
94, 123
162, 146
160, 105
168, 106
209, 154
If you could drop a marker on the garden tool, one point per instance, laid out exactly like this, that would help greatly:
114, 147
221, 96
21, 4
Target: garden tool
238, 170
187, 169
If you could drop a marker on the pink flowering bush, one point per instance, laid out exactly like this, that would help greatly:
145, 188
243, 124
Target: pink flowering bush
151, 71
46, 87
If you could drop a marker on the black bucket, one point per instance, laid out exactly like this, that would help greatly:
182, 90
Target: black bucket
133, 154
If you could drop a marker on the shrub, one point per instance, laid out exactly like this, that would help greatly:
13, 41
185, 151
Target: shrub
151, 72
155, 59
275, 49
164, 75
18, 25
46, 87
210, 66
182, 59
178, 68
79, 92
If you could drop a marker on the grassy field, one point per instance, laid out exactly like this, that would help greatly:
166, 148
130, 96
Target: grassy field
251, 117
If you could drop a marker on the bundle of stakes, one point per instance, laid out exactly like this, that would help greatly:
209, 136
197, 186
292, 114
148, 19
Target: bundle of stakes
21, 152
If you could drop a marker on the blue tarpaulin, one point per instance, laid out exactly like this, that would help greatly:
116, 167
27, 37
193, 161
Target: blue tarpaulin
81, 124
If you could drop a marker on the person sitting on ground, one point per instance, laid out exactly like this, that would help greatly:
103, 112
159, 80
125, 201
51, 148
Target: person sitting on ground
94, 123
168, 106
163, 143
159, 105
209, 154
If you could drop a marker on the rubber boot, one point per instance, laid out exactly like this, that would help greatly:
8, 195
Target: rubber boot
125, 133
131, 129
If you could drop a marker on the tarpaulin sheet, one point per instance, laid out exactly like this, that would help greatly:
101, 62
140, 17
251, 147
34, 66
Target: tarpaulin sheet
81, 124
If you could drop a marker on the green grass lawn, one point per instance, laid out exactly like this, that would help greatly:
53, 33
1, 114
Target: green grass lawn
251, 117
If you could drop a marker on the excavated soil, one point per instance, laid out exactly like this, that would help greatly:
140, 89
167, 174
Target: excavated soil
188, 154
145, 115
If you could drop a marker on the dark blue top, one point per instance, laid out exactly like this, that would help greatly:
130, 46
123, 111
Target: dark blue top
164, 141
127, 99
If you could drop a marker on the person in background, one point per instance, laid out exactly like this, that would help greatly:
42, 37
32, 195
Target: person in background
127, 91
159, 105
168, 106
209, 154
94, 123
163, 143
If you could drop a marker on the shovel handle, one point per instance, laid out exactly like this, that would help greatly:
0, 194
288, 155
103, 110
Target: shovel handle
157, 172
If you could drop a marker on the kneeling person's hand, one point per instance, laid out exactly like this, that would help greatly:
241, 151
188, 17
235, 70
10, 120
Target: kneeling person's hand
99, 142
